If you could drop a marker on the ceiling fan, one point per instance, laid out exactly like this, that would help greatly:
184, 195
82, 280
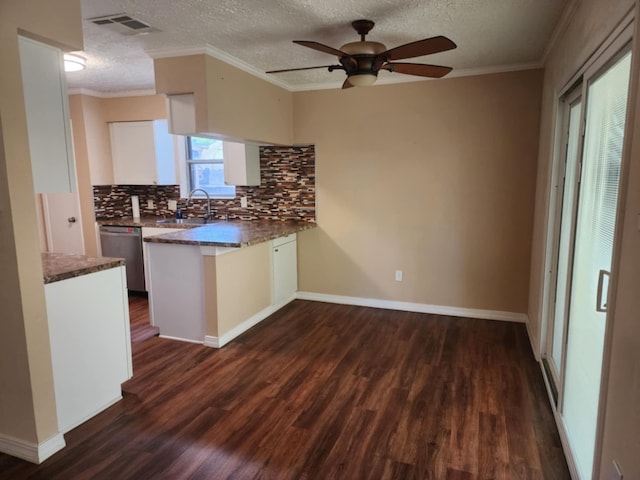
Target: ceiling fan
364, 59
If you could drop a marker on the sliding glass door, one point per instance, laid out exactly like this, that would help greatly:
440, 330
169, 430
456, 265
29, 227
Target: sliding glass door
567, 195
588, 198
603, 138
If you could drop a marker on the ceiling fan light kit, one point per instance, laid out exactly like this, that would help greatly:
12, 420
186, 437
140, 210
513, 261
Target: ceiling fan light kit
362, 60
73, 62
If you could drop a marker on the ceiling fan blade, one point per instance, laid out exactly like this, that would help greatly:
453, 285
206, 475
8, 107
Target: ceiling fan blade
304, 68
420, 69
321, 48
346, 84
420, 48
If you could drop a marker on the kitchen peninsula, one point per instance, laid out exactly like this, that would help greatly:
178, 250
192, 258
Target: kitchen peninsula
88, 316
211, 283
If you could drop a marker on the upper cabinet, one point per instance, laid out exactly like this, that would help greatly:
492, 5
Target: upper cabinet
47, 109
143, 153
182, 114
241, 164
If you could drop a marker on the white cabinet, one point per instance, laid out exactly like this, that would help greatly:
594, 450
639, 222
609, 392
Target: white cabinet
90, 343
285, 269
150, 232
241, 163
182, 114
47, 109
143, 153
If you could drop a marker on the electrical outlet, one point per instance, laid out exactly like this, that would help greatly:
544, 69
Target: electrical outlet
398, 275
243, 202
150, 204
172, 205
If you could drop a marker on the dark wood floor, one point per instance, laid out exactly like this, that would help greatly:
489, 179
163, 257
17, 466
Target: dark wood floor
321, 391
141, 329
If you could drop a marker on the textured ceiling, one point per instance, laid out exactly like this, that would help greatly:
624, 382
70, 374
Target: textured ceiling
490, 34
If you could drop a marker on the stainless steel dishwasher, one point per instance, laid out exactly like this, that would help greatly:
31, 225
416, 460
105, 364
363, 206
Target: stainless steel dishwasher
125, 242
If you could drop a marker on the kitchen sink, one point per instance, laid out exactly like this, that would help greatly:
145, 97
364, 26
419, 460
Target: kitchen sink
185, 221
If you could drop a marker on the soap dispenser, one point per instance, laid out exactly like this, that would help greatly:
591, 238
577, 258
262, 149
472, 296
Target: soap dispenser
179, 214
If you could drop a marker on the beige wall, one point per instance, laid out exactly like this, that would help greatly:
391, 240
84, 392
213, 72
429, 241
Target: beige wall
244, 274
434, 178
27, 400
230, 103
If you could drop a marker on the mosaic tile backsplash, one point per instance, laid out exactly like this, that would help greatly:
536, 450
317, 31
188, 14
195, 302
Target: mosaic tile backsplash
287, 191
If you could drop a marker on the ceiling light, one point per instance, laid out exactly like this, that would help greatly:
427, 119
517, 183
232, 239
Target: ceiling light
362, 79
73, 63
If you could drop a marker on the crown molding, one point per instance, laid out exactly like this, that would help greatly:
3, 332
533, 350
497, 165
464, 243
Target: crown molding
565, 19
463, 72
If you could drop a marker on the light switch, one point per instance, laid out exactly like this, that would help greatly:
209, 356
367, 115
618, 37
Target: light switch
150, 204
172, 205
243, 202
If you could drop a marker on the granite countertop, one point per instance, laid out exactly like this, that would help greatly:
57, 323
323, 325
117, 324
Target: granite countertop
148, 221
233, 233
60, 266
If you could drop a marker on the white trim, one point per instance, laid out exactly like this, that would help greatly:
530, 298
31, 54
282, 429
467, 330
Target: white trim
388, 80
244, 66
31, 452
188, 340
415, 307
565, 19
121, 93
221, 341
535, 343
562, 432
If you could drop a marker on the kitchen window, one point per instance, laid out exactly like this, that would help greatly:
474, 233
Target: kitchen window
205, 167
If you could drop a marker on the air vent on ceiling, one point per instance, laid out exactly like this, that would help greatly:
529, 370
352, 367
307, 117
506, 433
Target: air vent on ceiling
123, 24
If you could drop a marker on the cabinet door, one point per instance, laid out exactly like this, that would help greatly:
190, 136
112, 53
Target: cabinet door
47, 109
132, 148
150, 232
285, 272
143, 153
241, 164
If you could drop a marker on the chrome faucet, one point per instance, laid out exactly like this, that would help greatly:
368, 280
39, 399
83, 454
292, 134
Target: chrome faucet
208, 217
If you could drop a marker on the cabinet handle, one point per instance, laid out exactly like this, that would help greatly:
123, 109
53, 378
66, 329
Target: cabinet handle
276, 250
71, 219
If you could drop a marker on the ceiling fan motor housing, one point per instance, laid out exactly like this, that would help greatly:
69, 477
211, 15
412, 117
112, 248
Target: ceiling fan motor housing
362, 56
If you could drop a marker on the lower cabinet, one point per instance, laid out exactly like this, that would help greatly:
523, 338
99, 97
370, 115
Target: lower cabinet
150, 232
285, 269
90, 343
211, 294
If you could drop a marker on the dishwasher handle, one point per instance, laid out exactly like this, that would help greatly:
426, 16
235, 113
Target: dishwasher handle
119, 234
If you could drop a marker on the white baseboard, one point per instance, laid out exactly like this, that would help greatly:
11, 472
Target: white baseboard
188, 340
415, 307
31, 452
217, 342
221, 341
535, 343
